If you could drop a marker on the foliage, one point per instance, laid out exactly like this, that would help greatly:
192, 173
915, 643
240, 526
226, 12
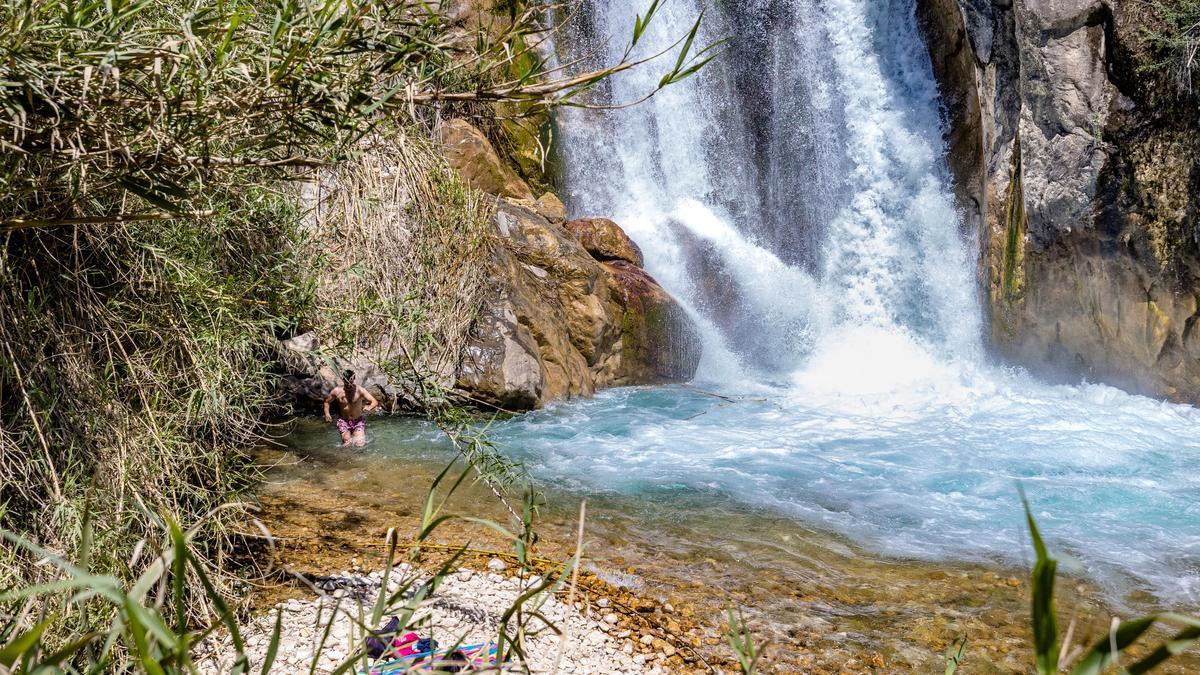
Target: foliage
134, 370
128, 109
1174, 33
1050, 656
1107, 650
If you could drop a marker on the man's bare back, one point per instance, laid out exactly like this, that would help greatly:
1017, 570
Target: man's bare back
353, 404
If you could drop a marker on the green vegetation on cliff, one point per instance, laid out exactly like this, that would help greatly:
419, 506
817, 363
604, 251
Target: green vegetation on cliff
1173, 31
1012, 281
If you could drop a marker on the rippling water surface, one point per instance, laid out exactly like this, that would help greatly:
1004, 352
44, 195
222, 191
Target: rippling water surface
926, 469
933, 475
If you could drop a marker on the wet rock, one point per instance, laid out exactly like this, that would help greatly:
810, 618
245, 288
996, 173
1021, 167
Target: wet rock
605, 240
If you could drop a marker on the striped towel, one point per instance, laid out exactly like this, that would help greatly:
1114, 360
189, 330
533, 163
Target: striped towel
480, 655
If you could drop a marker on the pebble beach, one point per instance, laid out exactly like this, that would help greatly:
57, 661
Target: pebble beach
465, 609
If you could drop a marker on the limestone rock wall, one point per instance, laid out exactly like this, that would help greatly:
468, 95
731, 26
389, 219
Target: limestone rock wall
1078, 170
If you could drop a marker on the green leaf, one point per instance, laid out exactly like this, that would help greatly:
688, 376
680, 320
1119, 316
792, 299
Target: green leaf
1044, 615
148, 192
140, 641
640, 24
1173, 647
23, 643
381, 599
273, 646
70, 651
954, 654
226, 616
687, 43
179, 569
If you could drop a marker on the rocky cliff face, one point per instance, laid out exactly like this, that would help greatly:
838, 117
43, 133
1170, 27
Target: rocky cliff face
568, 309
562, 319
1078, 169
565, 308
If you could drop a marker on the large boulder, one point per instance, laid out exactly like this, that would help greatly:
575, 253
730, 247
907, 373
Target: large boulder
1077, 163
658, 340
557, 324
470, 152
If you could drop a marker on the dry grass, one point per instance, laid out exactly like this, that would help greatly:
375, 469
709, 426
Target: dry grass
402, 243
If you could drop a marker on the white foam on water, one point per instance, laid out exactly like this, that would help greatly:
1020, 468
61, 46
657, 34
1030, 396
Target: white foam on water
874, 410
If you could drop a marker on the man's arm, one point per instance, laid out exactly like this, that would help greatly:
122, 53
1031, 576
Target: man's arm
371, 402
328, 399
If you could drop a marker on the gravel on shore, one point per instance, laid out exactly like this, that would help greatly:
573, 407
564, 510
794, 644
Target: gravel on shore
466, 609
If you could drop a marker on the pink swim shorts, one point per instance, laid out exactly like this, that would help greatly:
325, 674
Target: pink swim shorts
346, 426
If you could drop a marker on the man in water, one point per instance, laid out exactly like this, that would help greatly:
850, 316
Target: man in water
351, 398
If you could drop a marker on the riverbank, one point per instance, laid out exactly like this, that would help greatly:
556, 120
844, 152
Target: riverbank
466, 609
823, 603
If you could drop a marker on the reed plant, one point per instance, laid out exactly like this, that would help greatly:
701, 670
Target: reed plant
401, 243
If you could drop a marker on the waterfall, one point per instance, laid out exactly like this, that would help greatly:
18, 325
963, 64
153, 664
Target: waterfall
792, 194
794, 197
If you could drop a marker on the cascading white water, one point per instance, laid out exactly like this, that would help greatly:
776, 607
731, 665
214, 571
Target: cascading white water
793, 196
710, 194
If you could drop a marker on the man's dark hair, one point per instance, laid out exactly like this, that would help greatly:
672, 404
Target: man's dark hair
348, 376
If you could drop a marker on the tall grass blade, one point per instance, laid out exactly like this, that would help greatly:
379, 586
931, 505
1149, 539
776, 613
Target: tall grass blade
1043, 614
273, 645
23, 644
954, 655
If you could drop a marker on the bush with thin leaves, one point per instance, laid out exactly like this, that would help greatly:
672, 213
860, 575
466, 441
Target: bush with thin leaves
1174, 33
